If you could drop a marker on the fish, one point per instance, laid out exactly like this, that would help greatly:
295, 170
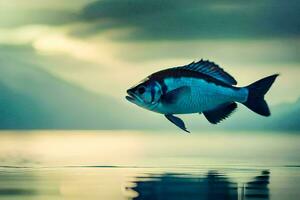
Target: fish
200, 87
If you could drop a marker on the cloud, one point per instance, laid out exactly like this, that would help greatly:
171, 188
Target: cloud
28, 17
14, 13
90, 63
238, 52
102, 64
182, 20
161, 19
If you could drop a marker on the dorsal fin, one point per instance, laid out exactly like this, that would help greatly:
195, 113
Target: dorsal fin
211, 69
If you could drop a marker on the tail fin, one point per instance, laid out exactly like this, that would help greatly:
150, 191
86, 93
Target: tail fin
257, 91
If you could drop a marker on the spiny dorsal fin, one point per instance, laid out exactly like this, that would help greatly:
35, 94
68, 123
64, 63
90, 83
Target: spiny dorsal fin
220, 113
211, 69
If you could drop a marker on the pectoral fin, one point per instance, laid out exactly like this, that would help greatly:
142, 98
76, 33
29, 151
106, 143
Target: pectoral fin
220, 113
177, 121
172, 97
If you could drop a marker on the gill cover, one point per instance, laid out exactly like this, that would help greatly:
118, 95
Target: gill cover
147, 92
150, 92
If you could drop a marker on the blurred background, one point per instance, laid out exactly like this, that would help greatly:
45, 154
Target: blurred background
67, 64
67, 131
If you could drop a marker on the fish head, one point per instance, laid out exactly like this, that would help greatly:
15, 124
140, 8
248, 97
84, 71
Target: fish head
146, 94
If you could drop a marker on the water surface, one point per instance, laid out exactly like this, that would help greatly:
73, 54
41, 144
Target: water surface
116, 165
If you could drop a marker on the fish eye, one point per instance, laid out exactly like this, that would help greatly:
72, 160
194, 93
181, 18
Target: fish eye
141, 90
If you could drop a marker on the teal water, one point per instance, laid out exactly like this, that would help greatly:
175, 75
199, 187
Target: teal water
117, 165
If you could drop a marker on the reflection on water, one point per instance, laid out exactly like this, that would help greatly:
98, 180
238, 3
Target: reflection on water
76, 165
212, 186
258, 188
140, 183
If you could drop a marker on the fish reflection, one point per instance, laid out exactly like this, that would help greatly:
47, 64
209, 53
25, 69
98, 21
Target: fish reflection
212, 186
258, 188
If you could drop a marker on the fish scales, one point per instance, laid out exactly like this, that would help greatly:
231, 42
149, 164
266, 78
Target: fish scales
203, 96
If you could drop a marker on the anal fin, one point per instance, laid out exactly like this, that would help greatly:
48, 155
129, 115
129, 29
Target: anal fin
220, 113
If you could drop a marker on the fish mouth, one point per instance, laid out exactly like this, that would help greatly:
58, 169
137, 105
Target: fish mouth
131, 97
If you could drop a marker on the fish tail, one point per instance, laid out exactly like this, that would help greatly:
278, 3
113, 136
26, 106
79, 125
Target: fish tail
256, 93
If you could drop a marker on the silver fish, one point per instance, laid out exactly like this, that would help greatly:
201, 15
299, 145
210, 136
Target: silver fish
199, 87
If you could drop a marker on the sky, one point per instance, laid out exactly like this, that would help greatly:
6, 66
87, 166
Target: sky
105, 46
